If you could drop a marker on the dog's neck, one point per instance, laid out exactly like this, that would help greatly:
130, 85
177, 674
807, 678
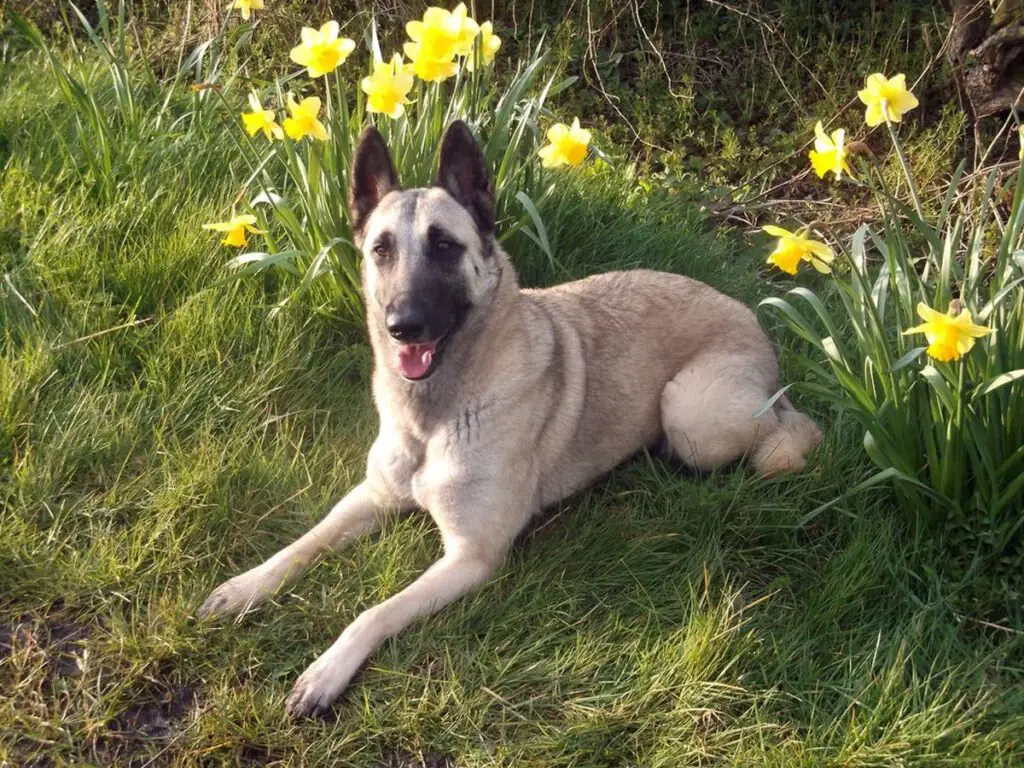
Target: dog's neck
421, 405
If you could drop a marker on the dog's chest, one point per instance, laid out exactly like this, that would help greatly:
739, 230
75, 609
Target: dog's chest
448, 457
425, 466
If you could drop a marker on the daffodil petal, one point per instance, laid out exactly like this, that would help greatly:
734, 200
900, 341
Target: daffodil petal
903, 102
820, 135
821, 266
329, 31
557, 132
876, 81
435, 16
821, 162
928, 314
874, 115
819, 249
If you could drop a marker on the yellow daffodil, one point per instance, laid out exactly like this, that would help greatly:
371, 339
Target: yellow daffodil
466, 30
260, 119
794, 247
829, 153
235, 229
387, 89
247, 7
303, 121
489, 45
435, 42
949, 337
321, 50
568, 145
886, 98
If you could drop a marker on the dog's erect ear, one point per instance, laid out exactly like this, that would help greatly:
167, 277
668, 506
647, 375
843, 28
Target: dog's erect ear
372, 177
462, 173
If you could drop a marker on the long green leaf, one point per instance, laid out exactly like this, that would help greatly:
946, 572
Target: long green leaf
875, 480
998, 382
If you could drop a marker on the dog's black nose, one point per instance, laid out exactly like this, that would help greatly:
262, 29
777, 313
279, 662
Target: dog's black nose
406, 325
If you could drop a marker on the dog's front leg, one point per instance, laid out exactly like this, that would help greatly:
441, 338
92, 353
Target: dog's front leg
460, 571
355, 515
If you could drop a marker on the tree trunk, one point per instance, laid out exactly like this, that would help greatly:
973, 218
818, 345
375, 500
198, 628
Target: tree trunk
988, 47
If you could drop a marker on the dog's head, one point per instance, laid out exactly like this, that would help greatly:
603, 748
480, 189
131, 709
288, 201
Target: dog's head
428, 254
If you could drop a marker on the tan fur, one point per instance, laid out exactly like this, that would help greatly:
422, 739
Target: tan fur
543, 391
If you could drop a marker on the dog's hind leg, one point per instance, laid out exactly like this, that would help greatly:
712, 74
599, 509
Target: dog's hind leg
785, 449
707, 412
355, 515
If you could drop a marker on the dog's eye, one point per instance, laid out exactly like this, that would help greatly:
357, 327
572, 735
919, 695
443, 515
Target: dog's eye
442, 246
381, 250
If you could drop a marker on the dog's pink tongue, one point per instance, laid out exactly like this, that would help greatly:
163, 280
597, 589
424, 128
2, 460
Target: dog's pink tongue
414, 359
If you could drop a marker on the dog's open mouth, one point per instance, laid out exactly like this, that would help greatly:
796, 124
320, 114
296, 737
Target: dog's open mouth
418, 361
415, 361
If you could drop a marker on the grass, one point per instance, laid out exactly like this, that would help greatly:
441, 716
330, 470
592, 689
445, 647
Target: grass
158, 433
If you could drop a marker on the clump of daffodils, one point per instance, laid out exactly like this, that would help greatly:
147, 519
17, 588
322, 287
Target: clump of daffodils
441, 44
950, 335
442, 39
887, 100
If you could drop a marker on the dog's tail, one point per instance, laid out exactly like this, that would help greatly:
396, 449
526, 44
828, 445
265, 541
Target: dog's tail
784, 449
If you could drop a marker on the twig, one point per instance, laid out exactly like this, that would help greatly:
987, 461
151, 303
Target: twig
104, 332
990, 625
276, 507
778, 75
739, 12
654, 48
1006, 124
22, 299
592, 55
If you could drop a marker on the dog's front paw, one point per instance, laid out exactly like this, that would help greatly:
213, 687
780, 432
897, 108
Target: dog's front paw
238, 595
323, 681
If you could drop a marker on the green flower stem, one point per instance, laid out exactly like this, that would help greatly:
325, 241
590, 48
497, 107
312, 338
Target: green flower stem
906, 169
